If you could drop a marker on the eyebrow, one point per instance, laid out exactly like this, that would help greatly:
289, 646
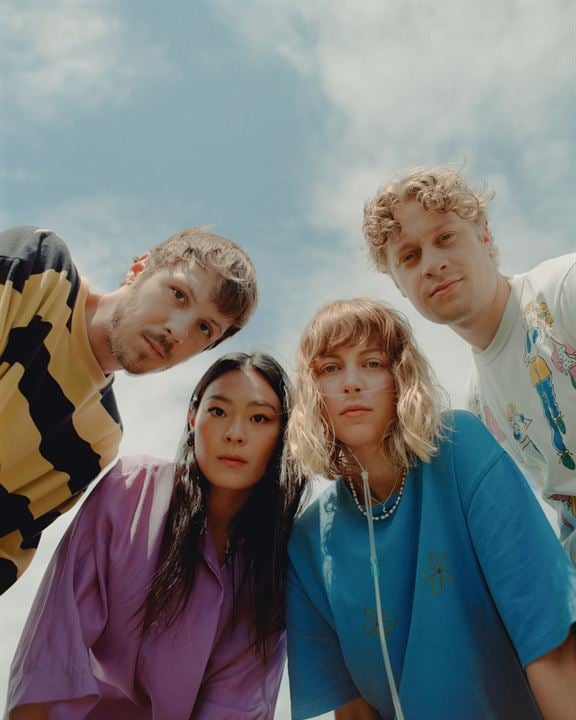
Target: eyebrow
257, 403
396, 239
334, 354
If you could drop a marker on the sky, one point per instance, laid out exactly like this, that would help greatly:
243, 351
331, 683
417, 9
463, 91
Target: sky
123, 122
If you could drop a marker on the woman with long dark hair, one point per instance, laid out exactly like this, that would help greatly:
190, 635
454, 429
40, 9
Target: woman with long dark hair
164, 599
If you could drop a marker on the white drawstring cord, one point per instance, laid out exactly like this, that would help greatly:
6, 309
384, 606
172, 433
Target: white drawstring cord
375, 574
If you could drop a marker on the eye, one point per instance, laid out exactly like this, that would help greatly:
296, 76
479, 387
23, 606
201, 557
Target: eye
408, 257
178, 294
445, 237
327, 369
375, 364
260, 419
205, 328
216, 411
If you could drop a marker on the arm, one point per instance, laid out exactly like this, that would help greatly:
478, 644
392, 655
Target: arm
529, 577
552, 679
54, 667
29, 712
356, 710
319, 678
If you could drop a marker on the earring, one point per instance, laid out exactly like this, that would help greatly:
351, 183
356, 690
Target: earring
190, 438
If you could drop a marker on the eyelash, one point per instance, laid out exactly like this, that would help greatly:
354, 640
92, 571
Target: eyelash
217, 411
178, 294
202, 324
325, 370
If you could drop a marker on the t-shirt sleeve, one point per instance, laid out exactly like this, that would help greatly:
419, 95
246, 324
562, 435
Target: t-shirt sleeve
319, 679
70, 611
564, 313
529, 575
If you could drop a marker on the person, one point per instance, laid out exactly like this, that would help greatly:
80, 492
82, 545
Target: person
426, 581
60, 343
165, 596
429, 231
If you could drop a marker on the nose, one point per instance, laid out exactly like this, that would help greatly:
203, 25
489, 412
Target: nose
352, 382
434, 262
177, 327
235, 432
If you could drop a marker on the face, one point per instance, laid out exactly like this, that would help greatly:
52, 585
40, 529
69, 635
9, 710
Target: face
442, 264
236, 427
359, 393
164, 318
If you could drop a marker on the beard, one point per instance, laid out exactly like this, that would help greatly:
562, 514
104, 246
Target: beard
130, 362
119, 332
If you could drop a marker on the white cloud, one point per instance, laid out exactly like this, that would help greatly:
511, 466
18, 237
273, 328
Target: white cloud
425, 82
59, 56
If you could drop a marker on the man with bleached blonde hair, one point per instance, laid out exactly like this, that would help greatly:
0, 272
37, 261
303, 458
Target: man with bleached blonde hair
429, 231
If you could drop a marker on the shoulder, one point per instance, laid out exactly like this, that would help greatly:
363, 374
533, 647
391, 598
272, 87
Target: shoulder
135, 484
32, 251
315, 516
551, 273
467, 444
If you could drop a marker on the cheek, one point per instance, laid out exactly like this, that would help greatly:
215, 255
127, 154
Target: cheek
331, 412
202, 446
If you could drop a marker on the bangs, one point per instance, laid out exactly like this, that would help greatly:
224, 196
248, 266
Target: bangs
350, 323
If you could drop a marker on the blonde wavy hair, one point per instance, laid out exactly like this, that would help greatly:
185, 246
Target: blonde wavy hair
438, 189
417, 429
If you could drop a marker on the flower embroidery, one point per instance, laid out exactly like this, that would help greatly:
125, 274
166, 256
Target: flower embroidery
371, 625
437, 572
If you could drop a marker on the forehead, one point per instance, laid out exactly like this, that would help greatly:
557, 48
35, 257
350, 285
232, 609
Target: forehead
353, 350
413, 219
243, 387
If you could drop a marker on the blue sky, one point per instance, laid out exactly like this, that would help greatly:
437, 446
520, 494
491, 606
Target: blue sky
122, 122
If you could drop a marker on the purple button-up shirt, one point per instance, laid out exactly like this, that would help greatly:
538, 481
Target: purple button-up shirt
82, 653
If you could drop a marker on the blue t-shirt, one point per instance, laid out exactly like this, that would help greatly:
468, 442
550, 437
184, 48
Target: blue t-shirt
474, 587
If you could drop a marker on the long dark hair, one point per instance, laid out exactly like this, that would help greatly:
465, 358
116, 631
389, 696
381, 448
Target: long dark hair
260, 530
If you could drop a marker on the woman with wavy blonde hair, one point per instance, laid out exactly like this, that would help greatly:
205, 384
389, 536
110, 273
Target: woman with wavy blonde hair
425, 582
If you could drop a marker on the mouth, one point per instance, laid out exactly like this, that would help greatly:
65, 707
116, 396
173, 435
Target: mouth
232, 460
355, 410
156, 348
445, 288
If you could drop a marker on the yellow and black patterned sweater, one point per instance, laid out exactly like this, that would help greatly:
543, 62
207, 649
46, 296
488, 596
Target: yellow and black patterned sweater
59, 424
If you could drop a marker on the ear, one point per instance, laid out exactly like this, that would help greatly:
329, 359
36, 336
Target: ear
485, 236
191, 418
136, 268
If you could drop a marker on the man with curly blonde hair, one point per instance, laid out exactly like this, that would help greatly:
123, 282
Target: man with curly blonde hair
429, 231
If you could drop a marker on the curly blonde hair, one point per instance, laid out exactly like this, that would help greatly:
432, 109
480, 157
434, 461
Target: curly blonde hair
417, 428
437, 189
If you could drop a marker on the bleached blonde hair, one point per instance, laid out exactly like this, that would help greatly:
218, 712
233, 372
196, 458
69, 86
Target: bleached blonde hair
438, 189
417, 428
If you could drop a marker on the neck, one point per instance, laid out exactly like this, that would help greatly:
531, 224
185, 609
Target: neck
383, 478
479, 330
223, 506
99, 311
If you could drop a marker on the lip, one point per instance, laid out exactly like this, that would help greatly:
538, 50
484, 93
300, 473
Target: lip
445, 288
355, 410
157, 349
232, 460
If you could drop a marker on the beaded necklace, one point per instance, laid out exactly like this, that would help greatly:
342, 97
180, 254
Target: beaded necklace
386, 512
